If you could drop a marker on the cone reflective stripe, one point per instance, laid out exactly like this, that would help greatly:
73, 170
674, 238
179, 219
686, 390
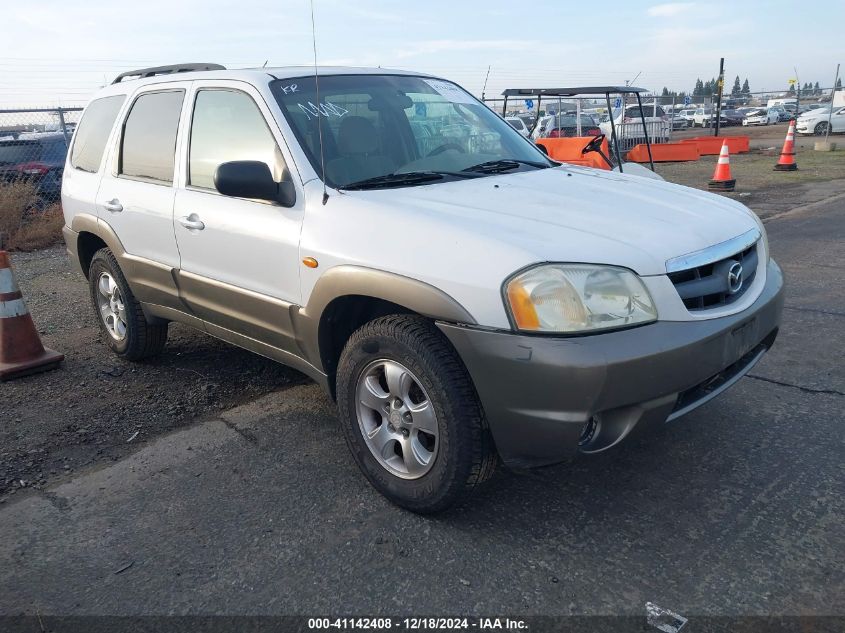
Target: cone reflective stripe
722, 180
21, 351
787, 154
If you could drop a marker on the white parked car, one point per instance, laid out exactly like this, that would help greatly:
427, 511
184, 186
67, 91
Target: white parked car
687, 115
816, 121
464, 299
518, 124
763, 116
706, 117
629, 124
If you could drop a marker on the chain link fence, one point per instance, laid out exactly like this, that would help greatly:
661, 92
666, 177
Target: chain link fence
33, 147
665, 115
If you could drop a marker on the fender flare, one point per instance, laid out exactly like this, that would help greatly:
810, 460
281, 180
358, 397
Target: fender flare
348, 280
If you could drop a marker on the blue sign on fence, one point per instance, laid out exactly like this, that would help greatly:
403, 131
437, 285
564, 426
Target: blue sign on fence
529, 104
687, 100
618, 103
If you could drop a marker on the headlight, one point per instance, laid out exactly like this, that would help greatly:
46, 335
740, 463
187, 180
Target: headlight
577, 298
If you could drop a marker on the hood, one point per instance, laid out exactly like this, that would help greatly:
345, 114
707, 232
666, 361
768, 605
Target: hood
818, 113
574, 214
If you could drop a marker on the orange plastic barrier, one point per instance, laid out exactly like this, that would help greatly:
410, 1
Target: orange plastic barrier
664, 152
568, 150
712, 145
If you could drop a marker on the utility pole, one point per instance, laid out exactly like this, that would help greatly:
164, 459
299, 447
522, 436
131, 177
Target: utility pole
797, 92
832, 97
721, 85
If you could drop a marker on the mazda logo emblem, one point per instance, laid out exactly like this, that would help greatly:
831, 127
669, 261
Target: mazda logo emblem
734, 278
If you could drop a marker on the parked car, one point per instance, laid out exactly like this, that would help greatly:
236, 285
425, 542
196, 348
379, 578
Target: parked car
629, 124
706, 117
816, 121
733, 117
465, 301
687, 115
38, 158
762, 116
518, 124
782, 112
560, 125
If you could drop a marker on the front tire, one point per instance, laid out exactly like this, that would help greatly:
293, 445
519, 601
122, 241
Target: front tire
820, 129
410, 414
122, 322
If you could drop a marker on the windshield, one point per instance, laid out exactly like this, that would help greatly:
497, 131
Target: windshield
380, 125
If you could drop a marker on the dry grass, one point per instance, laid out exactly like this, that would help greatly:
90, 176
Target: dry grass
24, 226
755, 171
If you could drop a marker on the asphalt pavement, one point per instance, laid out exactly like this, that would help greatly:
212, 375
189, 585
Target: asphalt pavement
737, 509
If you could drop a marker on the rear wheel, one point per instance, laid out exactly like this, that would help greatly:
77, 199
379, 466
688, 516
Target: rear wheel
122, 321
410, 414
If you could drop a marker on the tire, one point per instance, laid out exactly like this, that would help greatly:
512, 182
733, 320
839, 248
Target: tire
461, 455
123, 324
820, 129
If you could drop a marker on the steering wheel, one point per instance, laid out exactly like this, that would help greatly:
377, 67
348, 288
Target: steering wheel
446, 147
594, 145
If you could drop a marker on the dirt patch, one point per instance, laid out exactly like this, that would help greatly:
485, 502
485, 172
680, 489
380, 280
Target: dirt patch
97, 407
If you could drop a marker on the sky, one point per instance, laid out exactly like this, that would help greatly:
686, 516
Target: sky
58, 52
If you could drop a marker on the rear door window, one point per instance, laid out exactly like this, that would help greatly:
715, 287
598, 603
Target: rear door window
148, 148
89, 143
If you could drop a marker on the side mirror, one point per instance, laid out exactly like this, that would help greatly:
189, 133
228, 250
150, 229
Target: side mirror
542, 148
252, 179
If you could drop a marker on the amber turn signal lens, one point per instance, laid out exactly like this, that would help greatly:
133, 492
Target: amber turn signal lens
522, 307
310, 262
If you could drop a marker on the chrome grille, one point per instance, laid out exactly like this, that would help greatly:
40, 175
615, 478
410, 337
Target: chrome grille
710, 285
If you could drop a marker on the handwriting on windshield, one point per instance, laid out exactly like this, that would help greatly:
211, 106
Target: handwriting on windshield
326, 109
290, 89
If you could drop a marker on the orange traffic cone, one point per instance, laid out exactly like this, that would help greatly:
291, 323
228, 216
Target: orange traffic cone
722, 180
787, 154
21, 351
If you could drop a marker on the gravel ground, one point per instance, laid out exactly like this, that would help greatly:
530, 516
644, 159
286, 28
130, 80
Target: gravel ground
98, 407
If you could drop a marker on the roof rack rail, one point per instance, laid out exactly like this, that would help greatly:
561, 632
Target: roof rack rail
143, 73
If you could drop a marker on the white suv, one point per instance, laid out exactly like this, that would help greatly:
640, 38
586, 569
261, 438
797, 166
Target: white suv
465, 299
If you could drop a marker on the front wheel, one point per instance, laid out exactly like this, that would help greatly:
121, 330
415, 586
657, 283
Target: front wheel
410, 414
820, 129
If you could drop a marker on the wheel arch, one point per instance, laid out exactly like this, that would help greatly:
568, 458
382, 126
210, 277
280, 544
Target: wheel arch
91, 236
346, 297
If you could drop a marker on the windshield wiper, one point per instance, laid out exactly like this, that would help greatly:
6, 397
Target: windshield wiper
406, 178
504, 164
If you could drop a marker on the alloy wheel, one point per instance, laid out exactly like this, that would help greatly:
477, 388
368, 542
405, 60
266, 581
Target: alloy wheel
397, 419
112, 307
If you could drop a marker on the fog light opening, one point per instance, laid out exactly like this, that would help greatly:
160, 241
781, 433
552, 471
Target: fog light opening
589, 431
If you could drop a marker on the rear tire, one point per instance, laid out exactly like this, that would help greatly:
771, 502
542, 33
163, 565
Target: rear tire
409, 350
122, 322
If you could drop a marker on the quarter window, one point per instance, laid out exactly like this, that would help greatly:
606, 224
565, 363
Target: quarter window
227, 126
93, 133
148, 149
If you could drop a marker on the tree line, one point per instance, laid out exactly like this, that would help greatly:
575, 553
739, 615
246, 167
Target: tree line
743, 89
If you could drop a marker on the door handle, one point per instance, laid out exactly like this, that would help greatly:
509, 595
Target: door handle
192, 222
113, 205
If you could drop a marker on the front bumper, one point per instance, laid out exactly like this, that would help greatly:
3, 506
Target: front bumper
539, 393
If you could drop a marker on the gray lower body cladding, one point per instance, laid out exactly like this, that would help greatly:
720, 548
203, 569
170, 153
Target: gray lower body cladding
539, 393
